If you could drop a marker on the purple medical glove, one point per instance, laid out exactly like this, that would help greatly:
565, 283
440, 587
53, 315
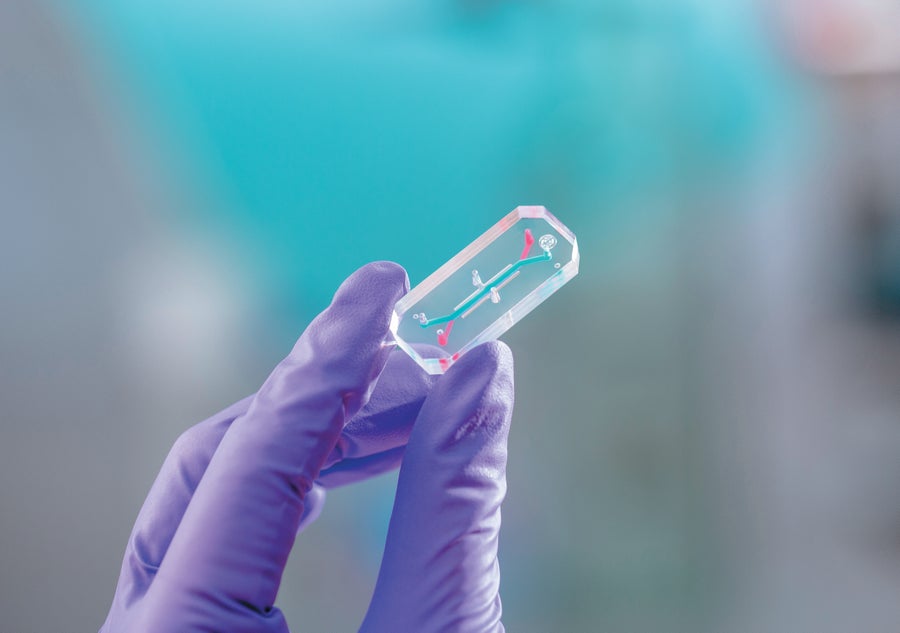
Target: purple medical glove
210, 544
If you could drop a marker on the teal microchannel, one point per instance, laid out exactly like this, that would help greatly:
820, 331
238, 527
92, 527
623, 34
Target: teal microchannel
545, 257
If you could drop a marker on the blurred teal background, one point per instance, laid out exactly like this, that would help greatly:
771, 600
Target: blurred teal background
184, 185
418, 122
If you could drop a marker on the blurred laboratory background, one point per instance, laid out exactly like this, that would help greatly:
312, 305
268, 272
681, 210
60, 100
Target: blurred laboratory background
707, 426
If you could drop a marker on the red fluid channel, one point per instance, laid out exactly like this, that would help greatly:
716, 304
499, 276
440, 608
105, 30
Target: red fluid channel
529, 240
445, 336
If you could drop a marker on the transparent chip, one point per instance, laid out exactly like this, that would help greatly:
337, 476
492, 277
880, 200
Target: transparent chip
486, 288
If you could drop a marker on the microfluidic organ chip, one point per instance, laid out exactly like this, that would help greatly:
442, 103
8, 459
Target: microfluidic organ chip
486, 288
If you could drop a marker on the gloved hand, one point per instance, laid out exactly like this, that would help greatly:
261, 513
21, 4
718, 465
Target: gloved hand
210, 544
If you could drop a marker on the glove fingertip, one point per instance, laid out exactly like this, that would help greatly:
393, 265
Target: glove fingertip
477, 393
492, 360
381, 275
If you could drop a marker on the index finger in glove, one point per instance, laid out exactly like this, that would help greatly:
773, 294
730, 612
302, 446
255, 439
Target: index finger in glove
234, 539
